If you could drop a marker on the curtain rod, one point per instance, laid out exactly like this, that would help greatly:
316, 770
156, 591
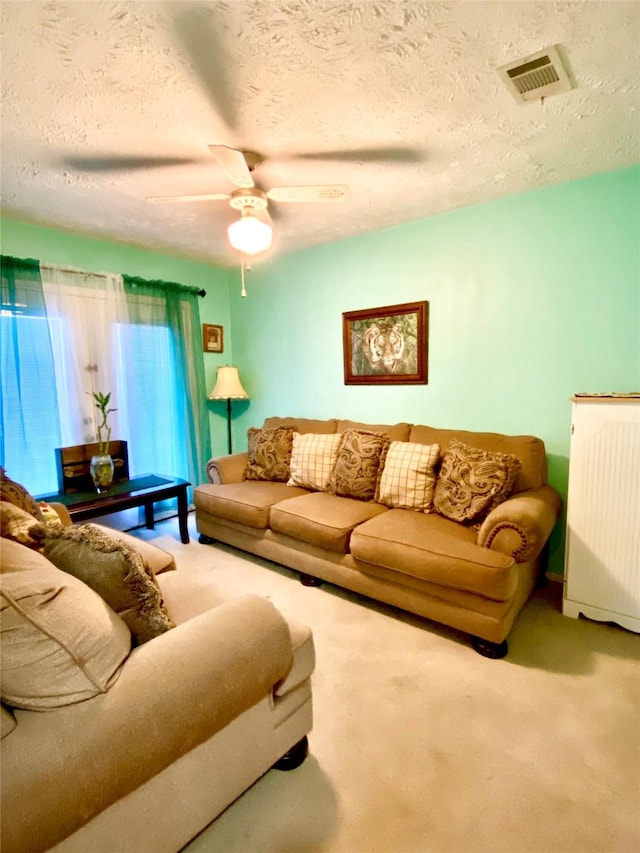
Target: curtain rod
134, 279
130, 279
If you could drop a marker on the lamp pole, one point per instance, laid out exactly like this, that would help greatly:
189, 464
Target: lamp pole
229, 423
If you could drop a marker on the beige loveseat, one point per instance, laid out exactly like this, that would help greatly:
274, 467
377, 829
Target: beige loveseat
183, 724
472, 577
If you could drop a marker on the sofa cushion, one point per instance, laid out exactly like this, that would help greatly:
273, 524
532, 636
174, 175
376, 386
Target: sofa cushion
396, 432
248, 502
359, 463
61, 643
472, 482
322, 520
113, 569
18, 495
303, 425
431, 548
408, 477
269, 452
312, 460
529, 450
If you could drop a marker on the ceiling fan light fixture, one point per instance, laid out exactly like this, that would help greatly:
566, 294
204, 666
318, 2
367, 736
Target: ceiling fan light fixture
250, 235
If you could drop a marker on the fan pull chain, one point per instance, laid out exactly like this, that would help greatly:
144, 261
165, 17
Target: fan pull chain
243, 292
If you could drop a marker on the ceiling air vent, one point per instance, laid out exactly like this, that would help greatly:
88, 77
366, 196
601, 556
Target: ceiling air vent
536, 76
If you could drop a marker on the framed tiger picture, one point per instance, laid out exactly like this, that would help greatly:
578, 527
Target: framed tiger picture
386, 345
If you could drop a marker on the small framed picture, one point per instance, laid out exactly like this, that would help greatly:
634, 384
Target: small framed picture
212, 338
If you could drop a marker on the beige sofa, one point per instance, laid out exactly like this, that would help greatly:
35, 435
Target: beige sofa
193, 718
473, 580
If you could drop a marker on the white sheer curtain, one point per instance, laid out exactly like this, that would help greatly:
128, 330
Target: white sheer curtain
86, 312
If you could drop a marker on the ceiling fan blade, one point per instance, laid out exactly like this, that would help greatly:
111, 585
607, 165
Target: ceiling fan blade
194, 26
202, 197
234, 165
334, 192
386, 154
121, 163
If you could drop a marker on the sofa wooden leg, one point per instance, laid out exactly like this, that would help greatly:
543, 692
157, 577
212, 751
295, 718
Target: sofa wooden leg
205, 540
488, 649
296, 755
309, 580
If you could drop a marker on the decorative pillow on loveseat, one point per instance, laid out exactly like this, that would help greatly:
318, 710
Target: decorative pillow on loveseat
312, 459
15, 524
269, 454
18, 495
61, 643
472, 482
113, 569
408, 477
360, 459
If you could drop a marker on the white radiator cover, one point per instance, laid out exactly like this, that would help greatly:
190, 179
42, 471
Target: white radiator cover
602, 564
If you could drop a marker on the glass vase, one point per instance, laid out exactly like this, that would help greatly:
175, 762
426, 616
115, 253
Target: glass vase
102, 468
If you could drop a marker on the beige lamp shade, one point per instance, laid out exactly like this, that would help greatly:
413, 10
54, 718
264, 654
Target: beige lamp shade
228, 385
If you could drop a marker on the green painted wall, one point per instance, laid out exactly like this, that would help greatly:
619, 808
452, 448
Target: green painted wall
67, 249
531, 298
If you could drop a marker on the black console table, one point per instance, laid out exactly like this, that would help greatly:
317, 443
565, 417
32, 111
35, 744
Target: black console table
138, 491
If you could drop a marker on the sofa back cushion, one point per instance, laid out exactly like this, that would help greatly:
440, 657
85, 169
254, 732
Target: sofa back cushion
395, 432
529, 450
61, 643
303, 425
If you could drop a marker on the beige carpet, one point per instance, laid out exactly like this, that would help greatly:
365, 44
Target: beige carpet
422, 746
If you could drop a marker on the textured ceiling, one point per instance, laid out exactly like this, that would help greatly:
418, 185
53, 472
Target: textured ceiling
106, 103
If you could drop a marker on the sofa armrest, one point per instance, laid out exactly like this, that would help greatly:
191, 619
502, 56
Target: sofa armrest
521, 525
227, 469
63, 513
173, 693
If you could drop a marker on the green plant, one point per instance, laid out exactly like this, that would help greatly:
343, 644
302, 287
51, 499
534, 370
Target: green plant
104, 430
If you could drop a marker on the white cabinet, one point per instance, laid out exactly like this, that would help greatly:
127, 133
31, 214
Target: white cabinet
602, 564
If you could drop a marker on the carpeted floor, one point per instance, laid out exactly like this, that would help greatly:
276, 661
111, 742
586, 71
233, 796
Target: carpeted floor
420, 745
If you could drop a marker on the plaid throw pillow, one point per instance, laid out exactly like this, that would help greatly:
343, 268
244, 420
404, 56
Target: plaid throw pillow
472, 482
361, 455
269, 454
312, 459
408, 478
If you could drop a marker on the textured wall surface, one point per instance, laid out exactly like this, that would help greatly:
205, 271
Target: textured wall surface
105, 103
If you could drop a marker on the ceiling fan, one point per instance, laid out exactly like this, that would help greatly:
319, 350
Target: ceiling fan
252, 233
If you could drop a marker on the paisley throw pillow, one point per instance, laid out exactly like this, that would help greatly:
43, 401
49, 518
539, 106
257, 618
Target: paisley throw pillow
269, 454
472, 482
361, 456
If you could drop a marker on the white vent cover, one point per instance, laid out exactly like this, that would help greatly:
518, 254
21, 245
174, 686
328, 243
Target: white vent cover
536, 76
